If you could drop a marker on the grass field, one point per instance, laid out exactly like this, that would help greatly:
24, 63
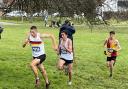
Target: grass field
89, 71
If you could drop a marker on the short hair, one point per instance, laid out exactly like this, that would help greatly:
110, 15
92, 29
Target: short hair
64, 31
112, 32
33, 27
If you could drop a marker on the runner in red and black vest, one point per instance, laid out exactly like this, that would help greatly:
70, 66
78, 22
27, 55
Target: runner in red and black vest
112, 47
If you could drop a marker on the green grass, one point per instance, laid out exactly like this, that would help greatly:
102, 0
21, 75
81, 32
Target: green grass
89, 72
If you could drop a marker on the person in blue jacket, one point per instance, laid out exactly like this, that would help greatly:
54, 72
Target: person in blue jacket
67, 26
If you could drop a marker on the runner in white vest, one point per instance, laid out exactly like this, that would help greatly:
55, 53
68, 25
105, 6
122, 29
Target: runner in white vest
66, 54
35, 40
37, 45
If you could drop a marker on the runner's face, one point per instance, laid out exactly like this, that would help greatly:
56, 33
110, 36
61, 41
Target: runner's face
112, 35
64, 36
33, 32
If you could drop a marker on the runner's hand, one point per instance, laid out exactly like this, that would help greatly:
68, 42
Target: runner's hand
23, 45
105, 53
57, 51
55, 48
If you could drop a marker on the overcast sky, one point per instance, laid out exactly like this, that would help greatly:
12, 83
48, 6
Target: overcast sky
111, 4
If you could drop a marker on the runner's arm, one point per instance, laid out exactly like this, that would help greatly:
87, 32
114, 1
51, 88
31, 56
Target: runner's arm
105, 44
26, 41
47, 35
105, 47
118, 46
69, 48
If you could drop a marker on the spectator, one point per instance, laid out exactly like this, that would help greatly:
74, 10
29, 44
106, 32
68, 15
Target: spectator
69, 28
45, 14
1, 30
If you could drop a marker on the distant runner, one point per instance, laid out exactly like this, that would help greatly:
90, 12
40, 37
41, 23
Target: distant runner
112, 47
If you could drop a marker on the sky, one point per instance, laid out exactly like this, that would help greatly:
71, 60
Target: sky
1, 1
111, 5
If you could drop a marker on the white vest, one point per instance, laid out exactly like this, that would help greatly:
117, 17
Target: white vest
64, 53
37, 45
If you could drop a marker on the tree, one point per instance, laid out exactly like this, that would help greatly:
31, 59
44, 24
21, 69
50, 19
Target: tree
64, 7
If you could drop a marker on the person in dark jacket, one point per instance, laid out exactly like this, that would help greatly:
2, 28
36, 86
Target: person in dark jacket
1, 30
69, 28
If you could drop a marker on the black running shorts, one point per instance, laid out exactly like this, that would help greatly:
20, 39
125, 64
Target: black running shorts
67, 61
111, 58
41, 57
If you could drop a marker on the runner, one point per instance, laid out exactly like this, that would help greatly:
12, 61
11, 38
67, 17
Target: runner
66, 54
112, 47
69, 28
35, 40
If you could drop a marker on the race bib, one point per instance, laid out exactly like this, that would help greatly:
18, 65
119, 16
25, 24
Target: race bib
36, 49
110, 50
63, 51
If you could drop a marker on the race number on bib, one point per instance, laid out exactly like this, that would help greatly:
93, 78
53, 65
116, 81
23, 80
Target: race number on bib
36, 49
63, 51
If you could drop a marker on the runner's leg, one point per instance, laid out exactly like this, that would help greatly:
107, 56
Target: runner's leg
70, 71
44, 73
33, 65
61, 64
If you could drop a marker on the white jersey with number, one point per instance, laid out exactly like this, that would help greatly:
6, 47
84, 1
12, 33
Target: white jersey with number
37, 45
63, 52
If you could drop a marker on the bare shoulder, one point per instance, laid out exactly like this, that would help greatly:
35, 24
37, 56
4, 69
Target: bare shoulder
116, 40
70, 41
107, 38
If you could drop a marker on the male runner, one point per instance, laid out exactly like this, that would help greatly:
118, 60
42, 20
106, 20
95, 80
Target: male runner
35, 40
66, 54
112, 47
